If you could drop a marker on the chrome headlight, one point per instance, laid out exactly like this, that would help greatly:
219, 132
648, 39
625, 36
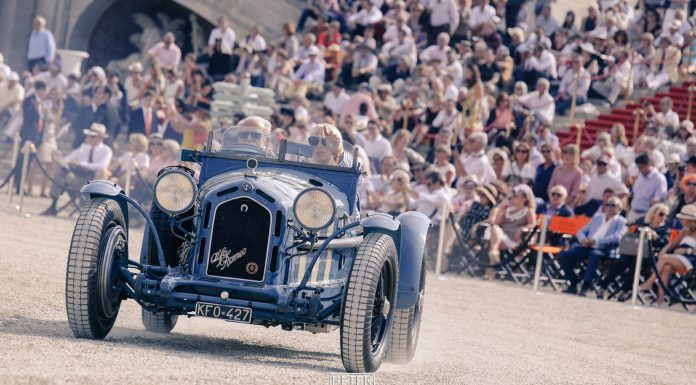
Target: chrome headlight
175, 191
314, 209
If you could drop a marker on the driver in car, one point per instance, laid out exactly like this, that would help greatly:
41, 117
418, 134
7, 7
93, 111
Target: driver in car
328, 146
254, 131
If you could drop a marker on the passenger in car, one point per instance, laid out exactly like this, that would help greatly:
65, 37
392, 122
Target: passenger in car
328, 146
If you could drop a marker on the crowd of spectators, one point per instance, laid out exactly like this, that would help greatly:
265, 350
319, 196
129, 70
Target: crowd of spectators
453, 102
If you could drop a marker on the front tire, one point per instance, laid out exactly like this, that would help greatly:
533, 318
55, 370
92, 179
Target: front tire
99, 247
369, 304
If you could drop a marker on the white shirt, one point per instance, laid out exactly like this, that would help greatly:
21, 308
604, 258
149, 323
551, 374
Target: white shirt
141, 160
392, 32
335, 102
227, 39
620, 75
435, 52
13, 96
603, 228
546, 63
599, 183
444, 12
376, 148
396, 48
101, 157
311, 71
527, 172
257, 43
132, 92
432, 202
445, 120
365, 17
479, 166
541, 104
169, 58
568, 83
480, 16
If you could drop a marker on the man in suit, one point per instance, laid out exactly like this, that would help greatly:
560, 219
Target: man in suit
599, 239
556, 204
32, 125
94, 112
144, 120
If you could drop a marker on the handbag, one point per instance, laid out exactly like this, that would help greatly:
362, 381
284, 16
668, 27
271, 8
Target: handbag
629, 244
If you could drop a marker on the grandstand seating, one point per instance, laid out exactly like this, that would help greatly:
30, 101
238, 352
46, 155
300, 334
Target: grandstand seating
678, 93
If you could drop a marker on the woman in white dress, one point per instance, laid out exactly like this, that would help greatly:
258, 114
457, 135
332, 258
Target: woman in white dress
520, 169
52, 116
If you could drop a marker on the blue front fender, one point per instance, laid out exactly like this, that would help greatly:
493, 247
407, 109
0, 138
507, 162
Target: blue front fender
108, 189
414, 227
408, 231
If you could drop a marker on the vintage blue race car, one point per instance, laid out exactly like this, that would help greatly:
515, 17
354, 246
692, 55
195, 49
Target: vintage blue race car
268, 233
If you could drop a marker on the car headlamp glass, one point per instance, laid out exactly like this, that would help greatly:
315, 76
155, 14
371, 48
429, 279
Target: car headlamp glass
175, 191
314, 209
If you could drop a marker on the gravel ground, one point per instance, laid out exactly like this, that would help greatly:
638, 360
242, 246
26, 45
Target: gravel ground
473, 332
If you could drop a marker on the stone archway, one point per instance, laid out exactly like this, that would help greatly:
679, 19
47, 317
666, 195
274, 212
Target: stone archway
116, 32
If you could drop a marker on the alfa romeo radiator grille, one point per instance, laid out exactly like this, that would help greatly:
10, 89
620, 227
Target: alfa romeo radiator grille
240, 239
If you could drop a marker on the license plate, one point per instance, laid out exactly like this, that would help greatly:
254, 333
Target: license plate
228, 313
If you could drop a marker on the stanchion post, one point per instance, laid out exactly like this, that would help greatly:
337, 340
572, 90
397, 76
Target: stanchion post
629, 86
574, 99
637, 113
129, 173
639, 261
691, 100
15, 156
540, 253
441, 239
26, 151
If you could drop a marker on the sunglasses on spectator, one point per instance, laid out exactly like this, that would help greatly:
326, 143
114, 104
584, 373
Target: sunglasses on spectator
691, 184
662, 214
601, 164
153, 144
555, 194
315, 140
250, 134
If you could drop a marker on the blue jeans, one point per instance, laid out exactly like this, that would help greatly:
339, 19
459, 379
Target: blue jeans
576, 254
563, 105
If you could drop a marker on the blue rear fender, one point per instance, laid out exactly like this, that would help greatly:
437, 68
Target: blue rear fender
408, 231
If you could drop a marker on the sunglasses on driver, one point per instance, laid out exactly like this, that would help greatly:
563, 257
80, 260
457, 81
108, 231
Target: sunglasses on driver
250, 134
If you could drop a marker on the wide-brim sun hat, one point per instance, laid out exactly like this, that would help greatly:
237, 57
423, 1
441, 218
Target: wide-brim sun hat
489, 191
688, 212
96, 129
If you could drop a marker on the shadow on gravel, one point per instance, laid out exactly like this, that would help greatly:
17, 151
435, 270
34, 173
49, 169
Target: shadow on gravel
214, 348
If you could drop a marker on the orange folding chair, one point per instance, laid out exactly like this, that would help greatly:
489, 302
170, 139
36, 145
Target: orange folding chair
559, 233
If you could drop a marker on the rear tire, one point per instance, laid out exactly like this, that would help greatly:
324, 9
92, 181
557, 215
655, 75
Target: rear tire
158, 322
98, 248
404, 335
370, 293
